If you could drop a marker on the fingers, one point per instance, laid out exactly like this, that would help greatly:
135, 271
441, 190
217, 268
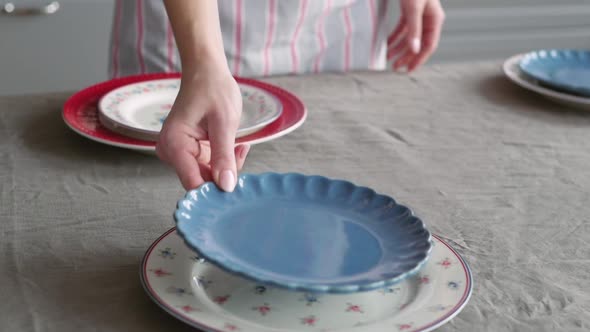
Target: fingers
206, 174
192, 165
419, 60
241, 153
204, 156
417, 35
188, 170
400, 48
432, 31
397, 32
204, 160
395, 42
177, 149
222, 135
412, 12
403, 60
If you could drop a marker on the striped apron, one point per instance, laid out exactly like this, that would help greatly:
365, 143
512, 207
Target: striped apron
261, 37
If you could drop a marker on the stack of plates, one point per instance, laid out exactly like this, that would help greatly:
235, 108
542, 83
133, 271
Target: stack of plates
290, 252
282, 252
560, 75
129, 112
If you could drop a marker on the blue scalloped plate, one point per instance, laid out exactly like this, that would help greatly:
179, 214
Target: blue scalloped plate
306, 233
564, 70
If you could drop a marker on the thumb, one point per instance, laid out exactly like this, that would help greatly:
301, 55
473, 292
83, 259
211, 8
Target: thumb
412, 11
222, 133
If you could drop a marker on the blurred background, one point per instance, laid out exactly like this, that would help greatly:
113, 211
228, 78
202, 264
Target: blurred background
64, 45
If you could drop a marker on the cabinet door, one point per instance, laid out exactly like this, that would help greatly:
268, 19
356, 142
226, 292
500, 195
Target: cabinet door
45, 49
495, 29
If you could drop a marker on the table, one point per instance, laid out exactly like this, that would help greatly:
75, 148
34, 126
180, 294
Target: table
501, 173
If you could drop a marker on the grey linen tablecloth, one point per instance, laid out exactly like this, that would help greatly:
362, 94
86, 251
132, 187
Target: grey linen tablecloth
501, 173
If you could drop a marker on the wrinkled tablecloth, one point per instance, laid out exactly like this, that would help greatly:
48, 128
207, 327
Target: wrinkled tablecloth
501, 173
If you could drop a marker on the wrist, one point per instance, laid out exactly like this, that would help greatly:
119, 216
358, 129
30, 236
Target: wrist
205, 71
204, 59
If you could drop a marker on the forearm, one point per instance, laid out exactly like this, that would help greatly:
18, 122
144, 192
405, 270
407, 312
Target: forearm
197, 33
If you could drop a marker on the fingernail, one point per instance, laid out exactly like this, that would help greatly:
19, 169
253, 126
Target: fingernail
416, 45
245, 150
227, 181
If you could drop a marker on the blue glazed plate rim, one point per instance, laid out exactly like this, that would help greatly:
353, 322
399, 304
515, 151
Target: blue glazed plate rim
296, 286
572, 88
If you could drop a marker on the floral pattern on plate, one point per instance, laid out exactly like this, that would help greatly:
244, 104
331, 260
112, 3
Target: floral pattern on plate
144, 106
80, 113
221, 301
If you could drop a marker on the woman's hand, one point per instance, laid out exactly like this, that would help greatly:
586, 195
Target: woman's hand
198, 137
417, 33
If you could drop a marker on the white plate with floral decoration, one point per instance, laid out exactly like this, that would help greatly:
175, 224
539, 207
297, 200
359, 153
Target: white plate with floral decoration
138, 110
204, 296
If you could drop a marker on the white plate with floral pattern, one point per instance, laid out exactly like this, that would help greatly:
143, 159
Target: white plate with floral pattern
204, 296
138, 110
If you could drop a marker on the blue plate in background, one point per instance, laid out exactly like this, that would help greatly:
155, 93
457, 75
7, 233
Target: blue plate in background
564, 70
305, 233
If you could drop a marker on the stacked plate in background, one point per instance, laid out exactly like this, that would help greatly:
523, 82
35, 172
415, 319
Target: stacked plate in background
129, 112
560, 75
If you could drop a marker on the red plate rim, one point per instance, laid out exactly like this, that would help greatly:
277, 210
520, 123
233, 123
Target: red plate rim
80, 112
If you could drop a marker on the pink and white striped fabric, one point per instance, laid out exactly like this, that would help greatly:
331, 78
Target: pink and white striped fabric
261, 37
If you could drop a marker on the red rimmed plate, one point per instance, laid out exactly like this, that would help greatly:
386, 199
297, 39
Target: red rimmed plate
80, 113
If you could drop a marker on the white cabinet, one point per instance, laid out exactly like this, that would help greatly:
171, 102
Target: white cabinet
490, 29
41, 51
